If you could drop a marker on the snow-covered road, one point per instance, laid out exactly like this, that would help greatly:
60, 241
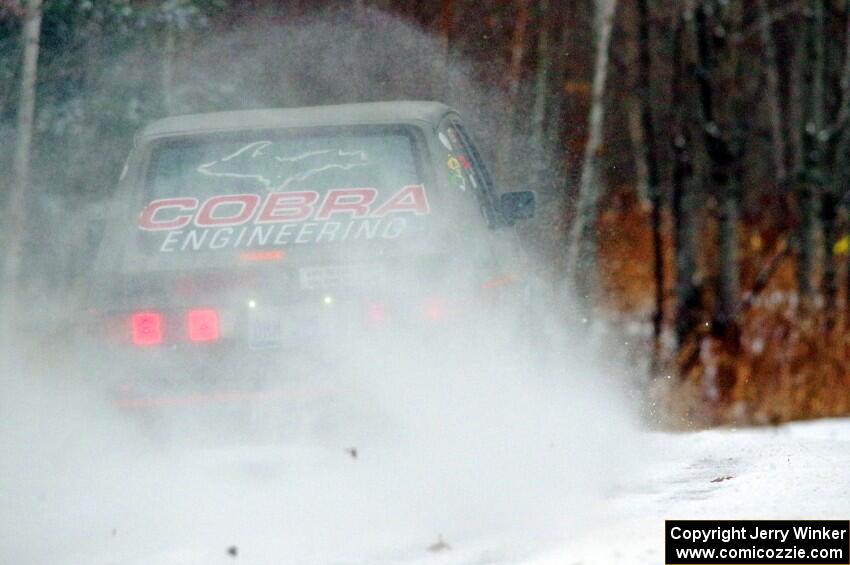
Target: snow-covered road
800, 470
487, 470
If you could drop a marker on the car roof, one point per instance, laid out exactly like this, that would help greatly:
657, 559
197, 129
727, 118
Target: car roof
341, 114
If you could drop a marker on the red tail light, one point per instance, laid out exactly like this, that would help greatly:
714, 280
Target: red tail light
147, 328
202, 325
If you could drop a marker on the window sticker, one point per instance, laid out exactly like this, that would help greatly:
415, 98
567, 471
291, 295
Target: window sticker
243, 221
284, 190
460, 169
279, 171
454, 165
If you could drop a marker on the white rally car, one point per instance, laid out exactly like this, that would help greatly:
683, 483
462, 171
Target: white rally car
242, 239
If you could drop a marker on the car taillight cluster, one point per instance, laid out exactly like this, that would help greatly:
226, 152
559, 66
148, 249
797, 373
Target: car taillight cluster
202, 325
148, 328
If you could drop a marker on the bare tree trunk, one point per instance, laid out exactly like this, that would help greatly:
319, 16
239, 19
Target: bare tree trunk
554, 125
541, 95
806, 241
514, 79
518, 49
829, 282
581, 246
816, 122
795, 111
636, 138
719, 94
844, 222
840, 142
16, 205
771, 72
729, 284
685, 199
446, 26
835, 151
842, 151
728, 174
810, 178
817, 118
653, 176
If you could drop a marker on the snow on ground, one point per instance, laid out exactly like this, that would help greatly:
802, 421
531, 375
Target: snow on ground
794, 471
800, 470
486, 466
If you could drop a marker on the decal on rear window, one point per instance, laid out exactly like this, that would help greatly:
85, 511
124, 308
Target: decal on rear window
294, 189
460, 169
285, 169
281, 218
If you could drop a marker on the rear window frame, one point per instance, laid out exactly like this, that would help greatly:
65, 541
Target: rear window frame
417, 138
138, 184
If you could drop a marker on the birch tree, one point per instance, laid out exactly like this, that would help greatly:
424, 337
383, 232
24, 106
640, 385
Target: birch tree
582, 243
15, 223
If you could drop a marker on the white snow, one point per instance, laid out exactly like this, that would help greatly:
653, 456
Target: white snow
274, 503
799, 470
502, 467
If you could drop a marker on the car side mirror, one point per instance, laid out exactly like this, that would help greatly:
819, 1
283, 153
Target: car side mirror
517, 205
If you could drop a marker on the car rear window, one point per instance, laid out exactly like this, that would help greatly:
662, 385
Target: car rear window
258, 196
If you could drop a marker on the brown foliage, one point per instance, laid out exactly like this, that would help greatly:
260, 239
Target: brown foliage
777, 362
